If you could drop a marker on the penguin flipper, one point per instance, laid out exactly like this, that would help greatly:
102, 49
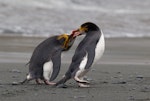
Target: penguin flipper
62, 82
91, 55
77, 58
56, 59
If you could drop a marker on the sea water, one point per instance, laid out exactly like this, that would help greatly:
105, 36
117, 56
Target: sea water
117, 18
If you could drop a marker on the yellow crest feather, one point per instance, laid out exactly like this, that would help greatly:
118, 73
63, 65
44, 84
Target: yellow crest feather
66, 37
83, 29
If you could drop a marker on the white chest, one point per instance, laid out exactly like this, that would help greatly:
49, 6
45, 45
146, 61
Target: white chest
100, 47
48, 70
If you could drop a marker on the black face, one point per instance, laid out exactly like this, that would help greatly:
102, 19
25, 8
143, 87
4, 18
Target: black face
89, 26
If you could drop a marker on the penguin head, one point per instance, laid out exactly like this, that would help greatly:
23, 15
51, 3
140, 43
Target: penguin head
85, 28
66, 41
88, 26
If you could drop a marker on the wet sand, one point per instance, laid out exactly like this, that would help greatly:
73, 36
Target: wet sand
123, 73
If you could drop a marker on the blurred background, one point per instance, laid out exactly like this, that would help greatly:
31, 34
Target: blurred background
117, 18
122, 74
26, 23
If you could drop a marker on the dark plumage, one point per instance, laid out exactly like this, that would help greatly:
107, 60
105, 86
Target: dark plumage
45, 61
89, 50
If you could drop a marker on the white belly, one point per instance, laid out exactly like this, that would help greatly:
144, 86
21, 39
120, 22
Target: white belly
100, 47
48, 70
83, 62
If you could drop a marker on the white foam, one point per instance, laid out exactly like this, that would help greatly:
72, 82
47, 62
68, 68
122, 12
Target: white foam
68, 4
20, 25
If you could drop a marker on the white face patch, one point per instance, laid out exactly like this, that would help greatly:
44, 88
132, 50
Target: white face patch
48, 70
100, 47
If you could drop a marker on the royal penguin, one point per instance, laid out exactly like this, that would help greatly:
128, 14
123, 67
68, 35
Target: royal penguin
45, 62
88, 52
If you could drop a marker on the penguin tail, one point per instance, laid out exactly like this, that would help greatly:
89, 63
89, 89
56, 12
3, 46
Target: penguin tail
21, 82
24, 81
28, 78
27, 64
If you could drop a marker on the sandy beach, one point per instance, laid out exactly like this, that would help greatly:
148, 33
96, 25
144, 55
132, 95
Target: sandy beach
122, 74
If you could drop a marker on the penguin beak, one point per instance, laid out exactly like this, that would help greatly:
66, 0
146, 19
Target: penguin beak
76, 33
79, 31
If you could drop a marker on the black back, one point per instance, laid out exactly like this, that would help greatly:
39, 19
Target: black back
86, 47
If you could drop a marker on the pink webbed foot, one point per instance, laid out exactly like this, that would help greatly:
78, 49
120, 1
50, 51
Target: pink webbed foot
49, 83
39, 81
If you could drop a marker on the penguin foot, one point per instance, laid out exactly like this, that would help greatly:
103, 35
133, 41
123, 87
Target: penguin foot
83, 85
81, 80
39, 81
49, 83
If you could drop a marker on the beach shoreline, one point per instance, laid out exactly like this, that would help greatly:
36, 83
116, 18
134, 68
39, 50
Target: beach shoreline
122, 74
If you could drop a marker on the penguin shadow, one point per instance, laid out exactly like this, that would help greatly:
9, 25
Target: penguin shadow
71, 84
27, 83
74, 84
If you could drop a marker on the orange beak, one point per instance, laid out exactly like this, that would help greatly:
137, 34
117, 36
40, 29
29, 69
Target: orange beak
76, 33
